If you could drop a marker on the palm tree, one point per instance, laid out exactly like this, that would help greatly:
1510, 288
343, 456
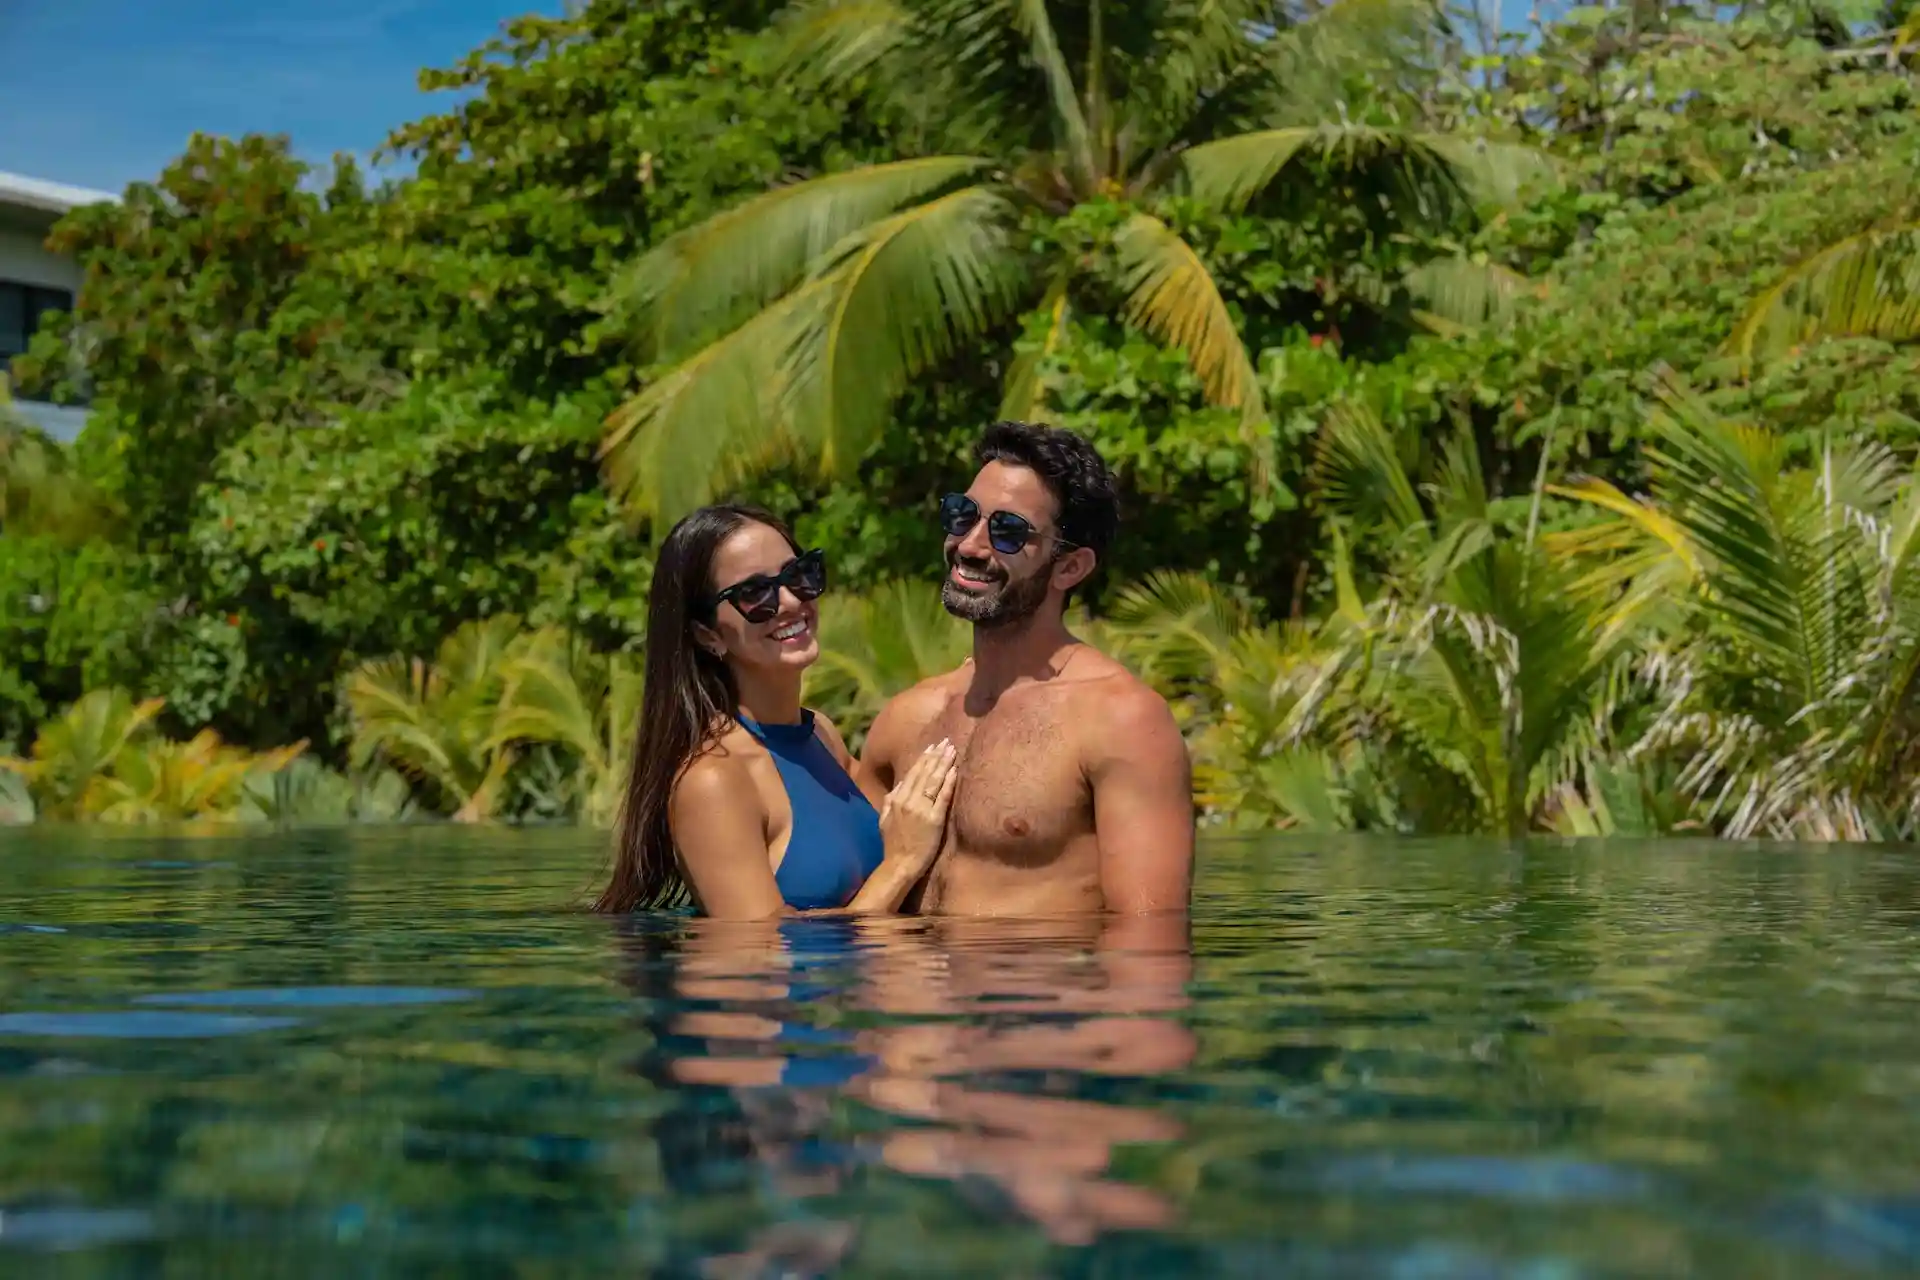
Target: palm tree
556, 691
438, 722
1864, 286
1792, 637
1240, 687
787, 325
1486, 678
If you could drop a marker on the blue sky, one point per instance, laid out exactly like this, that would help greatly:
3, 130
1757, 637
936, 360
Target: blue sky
99, 93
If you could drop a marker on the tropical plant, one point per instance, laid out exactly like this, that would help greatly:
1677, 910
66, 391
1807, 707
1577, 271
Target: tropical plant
1239, 686
1863, 286
73, 751
438, 722
102, 761
1792, 649
786, 326
307, 791
164, 781
1486, 677
875, 644
557, 692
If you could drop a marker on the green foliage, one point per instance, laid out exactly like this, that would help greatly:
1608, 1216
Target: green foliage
787, 327
1402, 540
382, 533
101, 761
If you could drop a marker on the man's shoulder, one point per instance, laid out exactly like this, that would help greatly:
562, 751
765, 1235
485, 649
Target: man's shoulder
910, 710
1118, 712
929, 697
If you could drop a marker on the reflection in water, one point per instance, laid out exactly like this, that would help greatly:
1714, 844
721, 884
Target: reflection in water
399, 1053
979, 1038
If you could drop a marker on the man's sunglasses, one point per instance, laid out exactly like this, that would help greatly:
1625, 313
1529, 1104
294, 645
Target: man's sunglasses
758, 598
1007, 532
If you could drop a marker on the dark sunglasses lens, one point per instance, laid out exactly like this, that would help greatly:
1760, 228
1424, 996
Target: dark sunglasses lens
808, 576
758, 601
1008, 532
958, 514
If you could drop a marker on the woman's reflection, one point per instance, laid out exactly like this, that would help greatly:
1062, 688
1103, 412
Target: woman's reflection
742, 1139
1005, 1047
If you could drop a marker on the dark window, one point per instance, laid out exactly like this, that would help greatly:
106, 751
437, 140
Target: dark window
21, 306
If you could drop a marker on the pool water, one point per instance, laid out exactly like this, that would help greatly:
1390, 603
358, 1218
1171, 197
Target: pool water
402, 1052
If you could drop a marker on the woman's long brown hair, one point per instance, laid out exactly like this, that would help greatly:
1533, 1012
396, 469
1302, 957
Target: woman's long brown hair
688, 695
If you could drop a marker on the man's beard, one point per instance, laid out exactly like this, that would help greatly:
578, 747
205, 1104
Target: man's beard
1008, 602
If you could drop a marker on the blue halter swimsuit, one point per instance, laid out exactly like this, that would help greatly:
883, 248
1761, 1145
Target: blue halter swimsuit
835, 842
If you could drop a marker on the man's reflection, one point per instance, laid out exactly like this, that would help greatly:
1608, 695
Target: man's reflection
1050, 1008
993, 1036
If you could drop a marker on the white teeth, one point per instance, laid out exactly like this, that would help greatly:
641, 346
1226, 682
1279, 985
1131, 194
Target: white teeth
791, 630
971, 576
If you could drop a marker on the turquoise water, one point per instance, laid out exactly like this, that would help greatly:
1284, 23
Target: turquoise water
399, 1053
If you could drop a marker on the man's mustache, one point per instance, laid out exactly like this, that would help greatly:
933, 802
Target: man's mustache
987, 568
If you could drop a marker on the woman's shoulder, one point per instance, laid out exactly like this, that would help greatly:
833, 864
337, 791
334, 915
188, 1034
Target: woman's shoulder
720, 771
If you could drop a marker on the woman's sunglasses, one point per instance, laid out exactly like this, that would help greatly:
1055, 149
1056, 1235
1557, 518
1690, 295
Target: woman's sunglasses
758, 598
1006, 532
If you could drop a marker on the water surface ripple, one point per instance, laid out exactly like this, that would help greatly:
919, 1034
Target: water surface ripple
402, 1051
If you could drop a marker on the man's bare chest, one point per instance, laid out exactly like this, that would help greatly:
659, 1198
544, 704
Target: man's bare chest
1021, 792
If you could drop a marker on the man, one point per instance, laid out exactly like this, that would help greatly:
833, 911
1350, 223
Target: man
1075, 791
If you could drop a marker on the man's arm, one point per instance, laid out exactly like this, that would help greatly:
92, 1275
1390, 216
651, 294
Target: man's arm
1142, 803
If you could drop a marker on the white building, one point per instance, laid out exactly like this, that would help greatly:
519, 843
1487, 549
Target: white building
34, 280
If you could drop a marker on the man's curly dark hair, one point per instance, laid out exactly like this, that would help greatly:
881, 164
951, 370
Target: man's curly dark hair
1073, 471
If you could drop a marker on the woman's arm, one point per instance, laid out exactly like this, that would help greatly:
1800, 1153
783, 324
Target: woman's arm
912, 838
719, 827
913, 826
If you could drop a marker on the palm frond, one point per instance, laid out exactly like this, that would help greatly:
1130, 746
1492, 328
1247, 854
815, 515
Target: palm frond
435, 721
1312, 62
876, 644
1359, 475
892, 302
1178, 627
1025, 394
1043, 46
1461, 291
669, 448
1171, 294
1866, 286
1230, 173
833, 42
1205, 41
704, 278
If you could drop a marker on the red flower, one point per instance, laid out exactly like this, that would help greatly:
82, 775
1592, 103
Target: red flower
233, 619
1316, 340
319, 544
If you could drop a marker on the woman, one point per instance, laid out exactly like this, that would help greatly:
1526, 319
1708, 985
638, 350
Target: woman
738, 793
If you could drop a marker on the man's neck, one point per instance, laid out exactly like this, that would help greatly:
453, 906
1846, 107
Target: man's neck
1004, 656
